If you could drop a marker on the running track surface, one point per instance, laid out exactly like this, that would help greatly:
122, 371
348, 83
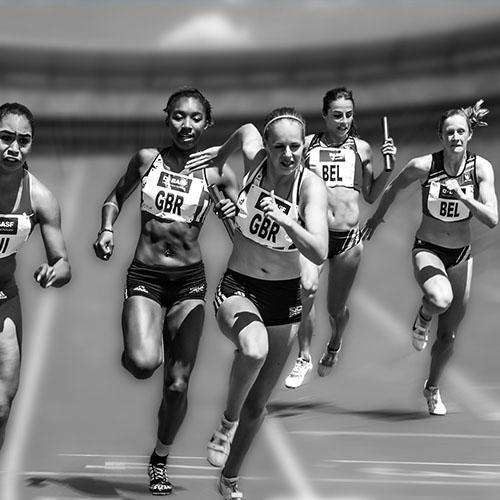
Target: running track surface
86, 428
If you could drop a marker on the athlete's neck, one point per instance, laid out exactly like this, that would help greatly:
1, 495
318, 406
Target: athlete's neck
453, 162
176, 158
333, 139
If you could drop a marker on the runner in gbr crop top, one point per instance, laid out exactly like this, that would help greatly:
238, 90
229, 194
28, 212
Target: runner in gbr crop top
24, 202
167, 273
345, 164
258, 300
456, 186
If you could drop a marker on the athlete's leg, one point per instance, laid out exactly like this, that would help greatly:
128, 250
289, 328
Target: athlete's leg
433, 280
253, 411
309, 281
10, 356
240, 321
442, 350
142, 336
341, 274
182, 332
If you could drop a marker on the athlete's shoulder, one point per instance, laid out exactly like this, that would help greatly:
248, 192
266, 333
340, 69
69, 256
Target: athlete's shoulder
41, 196
423, 162
146, 156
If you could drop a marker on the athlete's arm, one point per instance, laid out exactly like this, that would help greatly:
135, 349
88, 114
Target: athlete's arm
373, 186
246, 139
485, 209
416, 169
56, 271
312, 238
104, 244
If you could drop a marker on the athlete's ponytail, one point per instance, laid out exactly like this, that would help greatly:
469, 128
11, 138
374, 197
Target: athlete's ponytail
476, 114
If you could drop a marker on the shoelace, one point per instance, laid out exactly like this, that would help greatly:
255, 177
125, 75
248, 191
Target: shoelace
299, 365
158, 472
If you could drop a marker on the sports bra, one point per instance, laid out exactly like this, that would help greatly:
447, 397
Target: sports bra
440, 203
336, 165
252, 222
16, 226
172, 196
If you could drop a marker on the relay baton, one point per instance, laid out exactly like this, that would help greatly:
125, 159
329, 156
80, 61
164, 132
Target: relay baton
216, 196
387, 158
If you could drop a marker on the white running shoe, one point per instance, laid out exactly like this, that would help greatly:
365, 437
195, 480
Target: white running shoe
219, 446
434, 403
301, 368
420, 332
328, 360
228, 488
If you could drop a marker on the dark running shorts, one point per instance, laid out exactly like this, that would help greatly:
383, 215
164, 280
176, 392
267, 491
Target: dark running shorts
166, 286
341, 241
449, 256
278, 302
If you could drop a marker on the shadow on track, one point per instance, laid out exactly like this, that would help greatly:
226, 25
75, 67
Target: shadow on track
286, 409
95, 487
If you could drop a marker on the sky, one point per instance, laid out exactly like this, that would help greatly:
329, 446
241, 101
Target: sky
189, 25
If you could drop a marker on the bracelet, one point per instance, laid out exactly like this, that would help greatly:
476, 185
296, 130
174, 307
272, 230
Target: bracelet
103, 230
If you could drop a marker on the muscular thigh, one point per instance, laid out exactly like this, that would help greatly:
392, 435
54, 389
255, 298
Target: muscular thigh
10, 343
341, 273
182, 329
240, 321
142, 324
430, 273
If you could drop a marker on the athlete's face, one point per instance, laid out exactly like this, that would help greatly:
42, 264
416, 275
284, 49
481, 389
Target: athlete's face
455, 134
339, 117
187, 122
15, 140
285, 145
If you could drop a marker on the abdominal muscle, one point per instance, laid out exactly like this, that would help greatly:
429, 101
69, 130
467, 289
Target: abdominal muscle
251, 259
343, 208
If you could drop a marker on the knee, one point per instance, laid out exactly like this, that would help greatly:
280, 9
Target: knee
440, 299
254, 352
446, 338
141, 365
309, 287
340, 316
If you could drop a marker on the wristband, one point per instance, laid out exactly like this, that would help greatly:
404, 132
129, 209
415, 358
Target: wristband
103, 230
111, 203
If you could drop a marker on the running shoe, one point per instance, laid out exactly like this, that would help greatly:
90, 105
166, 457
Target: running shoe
328, 360
219, 446
420, 331
228, 488
159, 484
434, 403
301, 368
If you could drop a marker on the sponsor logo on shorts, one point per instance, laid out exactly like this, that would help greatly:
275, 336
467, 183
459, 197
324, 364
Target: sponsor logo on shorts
294, 311
2, 295
197, 289
140, 288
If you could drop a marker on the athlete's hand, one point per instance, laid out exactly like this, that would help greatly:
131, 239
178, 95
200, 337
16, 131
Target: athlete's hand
368, 229
388, 148
104, 244
45, 275
225, 209
207, 158
453, 187
272, 210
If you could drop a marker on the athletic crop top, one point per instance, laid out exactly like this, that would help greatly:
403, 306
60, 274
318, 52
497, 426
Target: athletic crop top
337, 166
15, 227
174, 197
252, 222
440, 203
